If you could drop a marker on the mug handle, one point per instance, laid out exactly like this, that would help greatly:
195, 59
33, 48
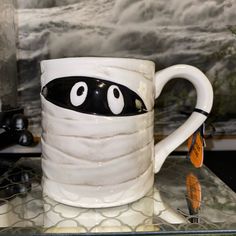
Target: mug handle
196, 119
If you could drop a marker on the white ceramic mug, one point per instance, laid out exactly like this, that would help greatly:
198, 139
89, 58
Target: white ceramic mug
97, 119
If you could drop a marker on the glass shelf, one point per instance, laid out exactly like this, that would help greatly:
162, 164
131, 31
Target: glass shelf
183, 200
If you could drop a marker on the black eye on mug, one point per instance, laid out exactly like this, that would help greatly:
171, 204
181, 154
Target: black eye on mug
78, 93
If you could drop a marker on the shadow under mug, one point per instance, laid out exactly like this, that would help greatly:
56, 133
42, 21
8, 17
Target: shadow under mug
97, 120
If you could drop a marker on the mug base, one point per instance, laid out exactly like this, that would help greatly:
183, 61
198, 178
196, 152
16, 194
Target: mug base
99, 196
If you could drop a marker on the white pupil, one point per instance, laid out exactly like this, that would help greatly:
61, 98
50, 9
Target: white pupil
78, 93
115, 99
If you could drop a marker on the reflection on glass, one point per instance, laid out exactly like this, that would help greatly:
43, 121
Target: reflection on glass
194, 196
137, 216
214, 203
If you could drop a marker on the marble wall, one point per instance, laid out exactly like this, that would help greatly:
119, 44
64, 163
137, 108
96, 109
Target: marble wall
197, 32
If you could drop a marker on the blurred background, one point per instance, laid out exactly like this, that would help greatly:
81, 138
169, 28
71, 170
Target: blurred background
196, 32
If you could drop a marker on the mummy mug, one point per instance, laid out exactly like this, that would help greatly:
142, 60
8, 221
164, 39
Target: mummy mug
97, 120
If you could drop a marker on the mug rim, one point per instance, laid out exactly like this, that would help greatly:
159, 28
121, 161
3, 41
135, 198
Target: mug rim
101, 57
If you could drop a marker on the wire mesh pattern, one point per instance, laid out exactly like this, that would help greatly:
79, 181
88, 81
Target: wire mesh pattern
182, 199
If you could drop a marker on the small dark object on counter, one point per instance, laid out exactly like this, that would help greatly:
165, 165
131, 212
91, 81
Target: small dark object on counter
25, 138
13, 128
